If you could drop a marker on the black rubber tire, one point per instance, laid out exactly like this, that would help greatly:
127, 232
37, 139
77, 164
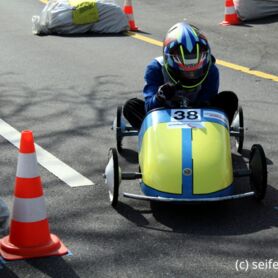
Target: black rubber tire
114, 194
258, 171
240, 139
119, 136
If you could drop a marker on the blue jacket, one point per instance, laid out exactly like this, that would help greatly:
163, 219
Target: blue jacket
155, 77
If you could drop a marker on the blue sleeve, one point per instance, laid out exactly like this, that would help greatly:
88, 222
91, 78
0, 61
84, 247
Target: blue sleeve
153, 80
210, 86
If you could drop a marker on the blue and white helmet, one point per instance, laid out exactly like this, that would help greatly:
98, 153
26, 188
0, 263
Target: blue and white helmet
186, 54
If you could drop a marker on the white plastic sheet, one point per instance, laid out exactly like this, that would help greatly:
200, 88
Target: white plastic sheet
56, 18
255, 9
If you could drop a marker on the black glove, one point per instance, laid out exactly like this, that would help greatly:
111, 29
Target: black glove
166, 92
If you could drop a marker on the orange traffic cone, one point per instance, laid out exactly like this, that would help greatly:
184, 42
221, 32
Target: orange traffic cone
29, 230
128, 10
231, 17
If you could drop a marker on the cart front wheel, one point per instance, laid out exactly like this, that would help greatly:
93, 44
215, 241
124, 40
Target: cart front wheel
112, 176
258, 171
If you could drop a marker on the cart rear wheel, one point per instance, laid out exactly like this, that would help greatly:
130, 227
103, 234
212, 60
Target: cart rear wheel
258, 171
112, 176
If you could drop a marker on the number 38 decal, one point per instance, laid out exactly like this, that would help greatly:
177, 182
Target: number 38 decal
186, 115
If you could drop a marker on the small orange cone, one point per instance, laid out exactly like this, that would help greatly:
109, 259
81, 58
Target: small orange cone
231, 17
29, 230
128, 10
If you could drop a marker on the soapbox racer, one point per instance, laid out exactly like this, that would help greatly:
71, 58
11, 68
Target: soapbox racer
185, 156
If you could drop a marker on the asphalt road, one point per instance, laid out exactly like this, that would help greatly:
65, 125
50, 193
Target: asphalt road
66, 89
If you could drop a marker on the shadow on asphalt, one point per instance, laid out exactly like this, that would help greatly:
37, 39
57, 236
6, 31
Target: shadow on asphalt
96, 35
130, 156
218, 219
53, 267
266, 20
90, 34
6, 272
261, 21
132, 214
50, 267
235, 217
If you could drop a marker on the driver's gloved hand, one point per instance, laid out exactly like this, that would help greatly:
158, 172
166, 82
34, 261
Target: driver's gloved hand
166, 92
203, 104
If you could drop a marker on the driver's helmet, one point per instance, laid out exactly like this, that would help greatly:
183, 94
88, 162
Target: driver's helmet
186, 55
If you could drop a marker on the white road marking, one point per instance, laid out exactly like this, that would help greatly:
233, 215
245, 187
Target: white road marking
46, 159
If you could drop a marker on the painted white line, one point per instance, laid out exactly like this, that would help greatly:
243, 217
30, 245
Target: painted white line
46, 159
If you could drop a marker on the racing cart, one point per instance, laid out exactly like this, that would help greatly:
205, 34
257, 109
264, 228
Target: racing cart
185, 156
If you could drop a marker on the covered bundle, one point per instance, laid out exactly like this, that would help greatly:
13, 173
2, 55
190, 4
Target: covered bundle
80, 16
255, 9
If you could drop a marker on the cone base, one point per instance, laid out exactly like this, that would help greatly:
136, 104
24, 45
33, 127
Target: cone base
132, 26
11, 252
228, 23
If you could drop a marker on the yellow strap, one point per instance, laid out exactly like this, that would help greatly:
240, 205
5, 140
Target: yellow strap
84, 12
74, 3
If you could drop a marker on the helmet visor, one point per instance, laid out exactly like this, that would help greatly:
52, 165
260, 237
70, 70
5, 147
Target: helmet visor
189, 70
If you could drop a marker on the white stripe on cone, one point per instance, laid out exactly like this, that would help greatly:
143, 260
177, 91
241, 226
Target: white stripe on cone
127, 3
29, 210
130, 17
27, 166
230, 10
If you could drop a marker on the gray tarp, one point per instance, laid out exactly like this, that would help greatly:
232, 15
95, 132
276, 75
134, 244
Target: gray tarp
255, 9
56, 18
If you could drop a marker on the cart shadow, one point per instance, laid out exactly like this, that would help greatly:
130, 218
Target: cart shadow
133, 215
226, 218
235, 217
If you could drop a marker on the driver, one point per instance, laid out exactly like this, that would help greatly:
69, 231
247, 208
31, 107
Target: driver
186, 72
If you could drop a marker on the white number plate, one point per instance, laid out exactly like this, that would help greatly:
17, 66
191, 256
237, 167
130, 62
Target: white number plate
185, 115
